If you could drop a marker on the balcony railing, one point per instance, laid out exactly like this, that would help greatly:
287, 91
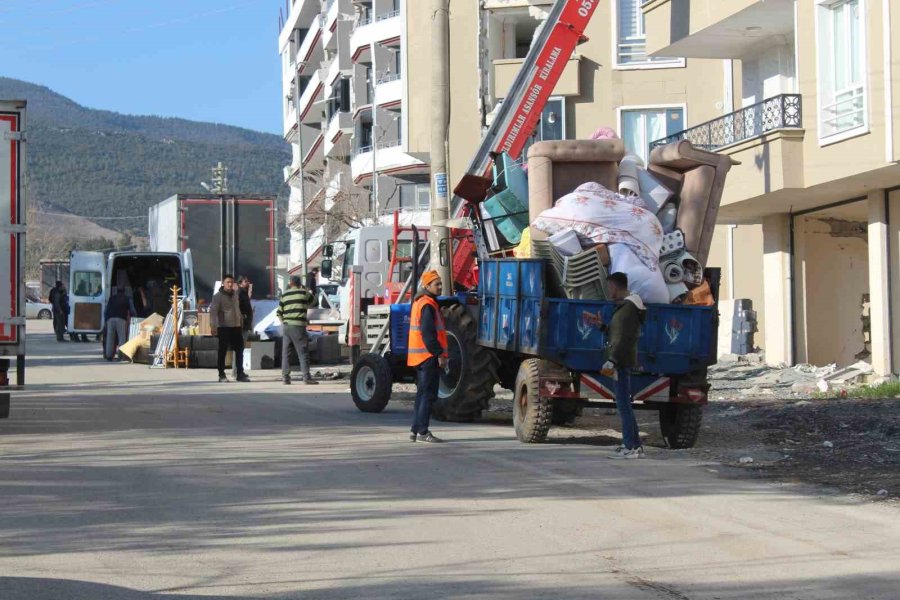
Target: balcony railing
778, 112
386, 16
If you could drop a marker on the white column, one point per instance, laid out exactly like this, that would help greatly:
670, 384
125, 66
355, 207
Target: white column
879, 290
777, 289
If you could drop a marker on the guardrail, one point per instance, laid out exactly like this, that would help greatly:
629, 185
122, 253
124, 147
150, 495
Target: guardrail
779, 112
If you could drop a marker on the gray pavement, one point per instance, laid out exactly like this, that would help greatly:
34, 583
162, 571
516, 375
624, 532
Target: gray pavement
120, 482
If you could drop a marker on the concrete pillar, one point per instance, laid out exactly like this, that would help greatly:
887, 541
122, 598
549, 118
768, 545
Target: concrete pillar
879, 286
777, 289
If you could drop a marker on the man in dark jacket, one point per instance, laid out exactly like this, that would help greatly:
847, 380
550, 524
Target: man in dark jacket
623, 332
427, 353
59, 303
225, 320
245, 289
119, 308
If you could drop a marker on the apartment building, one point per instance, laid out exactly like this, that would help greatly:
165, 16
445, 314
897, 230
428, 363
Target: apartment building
344, 109
810, 220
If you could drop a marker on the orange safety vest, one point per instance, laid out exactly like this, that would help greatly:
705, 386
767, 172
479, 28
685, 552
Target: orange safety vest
418, 352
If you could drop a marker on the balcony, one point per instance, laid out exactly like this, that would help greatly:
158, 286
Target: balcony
713, 28
780, 112
291, 174
309, 48
505, 71
384, 29
390, 160
389, 91
767, 140
310, 96
337, 135
315, 155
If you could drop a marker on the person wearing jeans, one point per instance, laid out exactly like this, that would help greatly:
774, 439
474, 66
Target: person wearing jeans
292, 311
225, 320
427, 352
623, 332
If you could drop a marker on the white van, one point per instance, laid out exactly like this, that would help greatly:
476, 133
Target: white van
147, 276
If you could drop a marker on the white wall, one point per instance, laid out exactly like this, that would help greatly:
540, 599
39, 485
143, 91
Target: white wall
769, 72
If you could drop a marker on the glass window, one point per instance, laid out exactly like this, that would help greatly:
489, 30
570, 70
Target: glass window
632, 43
641, 127
349, 258
842, 67
87, 283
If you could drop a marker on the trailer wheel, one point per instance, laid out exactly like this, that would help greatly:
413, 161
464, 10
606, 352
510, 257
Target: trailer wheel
371, 382
45, 314
467, 387
532, 414
680, 424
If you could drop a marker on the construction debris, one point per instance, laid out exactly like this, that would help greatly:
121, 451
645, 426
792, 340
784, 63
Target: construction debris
749, 376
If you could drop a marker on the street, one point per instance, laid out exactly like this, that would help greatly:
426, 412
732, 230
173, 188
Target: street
121, 482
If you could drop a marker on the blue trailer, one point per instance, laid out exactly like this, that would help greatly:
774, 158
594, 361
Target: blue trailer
548, 351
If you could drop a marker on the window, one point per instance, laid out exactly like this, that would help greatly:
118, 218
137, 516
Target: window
415, 196
552, 124
349, 257
641, 127
87, 283
842, 67
631, 46
339, 100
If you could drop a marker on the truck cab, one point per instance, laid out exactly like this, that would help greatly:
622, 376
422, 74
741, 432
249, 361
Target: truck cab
371, 248
147, 276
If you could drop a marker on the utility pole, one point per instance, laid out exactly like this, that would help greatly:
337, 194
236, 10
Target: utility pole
220, 179
440, 124
375, 138
303, 257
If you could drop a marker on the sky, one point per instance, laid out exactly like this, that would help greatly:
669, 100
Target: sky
206, 60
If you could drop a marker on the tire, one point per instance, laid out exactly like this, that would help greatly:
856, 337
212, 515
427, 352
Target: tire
680, 424
469, 386
4, 405
370, 383
532, 414
564, 413
44, 314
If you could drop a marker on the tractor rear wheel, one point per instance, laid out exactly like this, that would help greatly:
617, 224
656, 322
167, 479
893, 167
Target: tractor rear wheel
467, 386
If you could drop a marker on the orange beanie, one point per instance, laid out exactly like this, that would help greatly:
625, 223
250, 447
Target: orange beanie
429, 277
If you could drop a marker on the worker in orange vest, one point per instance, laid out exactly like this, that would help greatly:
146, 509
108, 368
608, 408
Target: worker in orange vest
427, 353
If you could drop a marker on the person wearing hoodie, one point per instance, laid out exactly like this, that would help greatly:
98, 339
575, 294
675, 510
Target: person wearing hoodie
225, 320
427, 353
623, 332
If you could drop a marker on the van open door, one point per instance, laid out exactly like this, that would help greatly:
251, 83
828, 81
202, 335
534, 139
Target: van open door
187, 277
87, 285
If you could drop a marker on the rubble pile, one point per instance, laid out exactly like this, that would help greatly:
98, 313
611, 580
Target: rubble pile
750, 376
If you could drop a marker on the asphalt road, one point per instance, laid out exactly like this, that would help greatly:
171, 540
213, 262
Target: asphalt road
118, 482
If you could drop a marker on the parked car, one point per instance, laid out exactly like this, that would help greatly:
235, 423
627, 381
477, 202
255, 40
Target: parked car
38, 310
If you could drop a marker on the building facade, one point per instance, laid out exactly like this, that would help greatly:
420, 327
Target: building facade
810, 219
344, 105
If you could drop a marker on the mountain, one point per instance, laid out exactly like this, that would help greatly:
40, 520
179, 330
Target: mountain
98, 163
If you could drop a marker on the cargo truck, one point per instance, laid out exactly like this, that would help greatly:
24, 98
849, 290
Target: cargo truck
226, 234
12, 246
